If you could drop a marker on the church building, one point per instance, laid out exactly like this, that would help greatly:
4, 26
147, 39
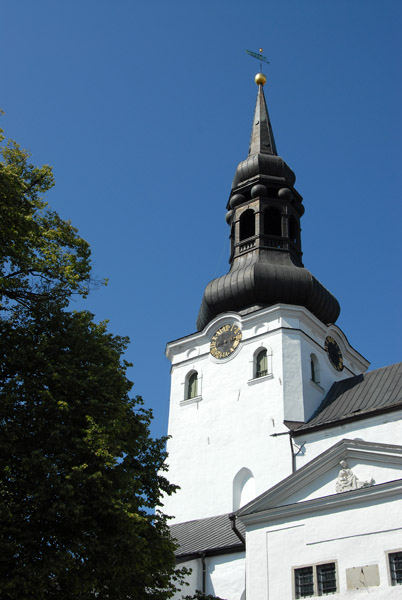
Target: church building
288, 453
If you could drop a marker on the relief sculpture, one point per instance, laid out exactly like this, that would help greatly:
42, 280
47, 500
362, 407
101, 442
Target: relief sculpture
348, 481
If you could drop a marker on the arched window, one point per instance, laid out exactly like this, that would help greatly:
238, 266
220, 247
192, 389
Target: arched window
272, 222
293, 230
261, 363
247, 224
315, 368
243, 488
192, 385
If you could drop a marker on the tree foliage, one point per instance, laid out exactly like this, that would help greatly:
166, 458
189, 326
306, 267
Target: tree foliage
79, 471
41, 255
200, 596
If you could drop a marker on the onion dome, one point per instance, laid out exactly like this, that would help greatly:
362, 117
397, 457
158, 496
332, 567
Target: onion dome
264, 211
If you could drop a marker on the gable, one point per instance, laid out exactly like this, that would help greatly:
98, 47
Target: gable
367, 464
358, 472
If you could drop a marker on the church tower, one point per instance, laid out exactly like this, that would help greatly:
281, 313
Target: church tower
266, 350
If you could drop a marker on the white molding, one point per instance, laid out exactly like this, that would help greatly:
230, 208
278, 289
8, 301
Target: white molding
194, 400
259, 379
317, 386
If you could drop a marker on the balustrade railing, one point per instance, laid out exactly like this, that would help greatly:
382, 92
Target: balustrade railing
282, 243
246, 245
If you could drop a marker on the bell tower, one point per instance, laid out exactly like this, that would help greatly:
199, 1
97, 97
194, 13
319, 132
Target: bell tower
264, 212
266, 349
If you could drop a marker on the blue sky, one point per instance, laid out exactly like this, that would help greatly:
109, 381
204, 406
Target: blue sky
144, 111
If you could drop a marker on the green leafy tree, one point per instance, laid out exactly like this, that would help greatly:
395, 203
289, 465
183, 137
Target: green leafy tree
79, 471
200, 596
42, 257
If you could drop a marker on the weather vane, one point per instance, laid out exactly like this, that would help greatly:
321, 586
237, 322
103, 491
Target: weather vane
259, 57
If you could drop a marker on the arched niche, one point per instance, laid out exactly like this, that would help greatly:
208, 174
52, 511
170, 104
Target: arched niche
243, 488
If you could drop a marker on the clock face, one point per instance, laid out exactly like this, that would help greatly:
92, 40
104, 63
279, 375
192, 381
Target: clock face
225, 340
334, 353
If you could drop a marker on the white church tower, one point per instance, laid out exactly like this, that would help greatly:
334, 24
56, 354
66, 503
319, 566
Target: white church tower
286, 451
266, 351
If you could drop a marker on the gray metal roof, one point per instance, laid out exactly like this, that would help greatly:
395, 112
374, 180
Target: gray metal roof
213, 534
358, 397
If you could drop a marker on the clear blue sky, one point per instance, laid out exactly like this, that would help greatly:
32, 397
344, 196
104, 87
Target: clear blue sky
144, 109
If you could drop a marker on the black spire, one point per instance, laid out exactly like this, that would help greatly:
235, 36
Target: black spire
262, 137
264, 211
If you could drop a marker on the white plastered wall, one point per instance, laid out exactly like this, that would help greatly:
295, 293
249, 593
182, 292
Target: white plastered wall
224, 576
351, 537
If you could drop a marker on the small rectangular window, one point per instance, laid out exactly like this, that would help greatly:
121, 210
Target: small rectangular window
395, 565
315, 580
326, 579
304, 582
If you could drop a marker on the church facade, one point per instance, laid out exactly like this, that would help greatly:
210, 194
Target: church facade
286, 450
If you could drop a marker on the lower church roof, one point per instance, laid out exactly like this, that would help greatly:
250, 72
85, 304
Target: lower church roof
212, 535
358, 397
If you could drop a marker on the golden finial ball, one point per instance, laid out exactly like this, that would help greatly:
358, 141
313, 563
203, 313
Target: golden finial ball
260, 79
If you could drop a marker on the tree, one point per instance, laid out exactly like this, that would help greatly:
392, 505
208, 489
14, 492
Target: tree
42, 257
79, 471
200, 596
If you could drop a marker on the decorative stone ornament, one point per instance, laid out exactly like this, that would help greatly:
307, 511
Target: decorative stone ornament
259, 190
229, 216
348, 481
237, 199
285, 194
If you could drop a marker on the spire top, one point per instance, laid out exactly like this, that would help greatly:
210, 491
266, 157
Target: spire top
258, 56
262, 137
260, 79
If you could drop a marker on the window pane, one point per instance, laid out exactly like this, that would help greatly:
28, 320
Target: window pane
326, 578
312, 369
262, 364
304, 583
395, 563
193, 385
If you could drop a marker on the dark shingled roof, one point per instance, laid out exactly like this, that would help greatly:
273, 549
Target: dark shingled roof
358, 397
210, 535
